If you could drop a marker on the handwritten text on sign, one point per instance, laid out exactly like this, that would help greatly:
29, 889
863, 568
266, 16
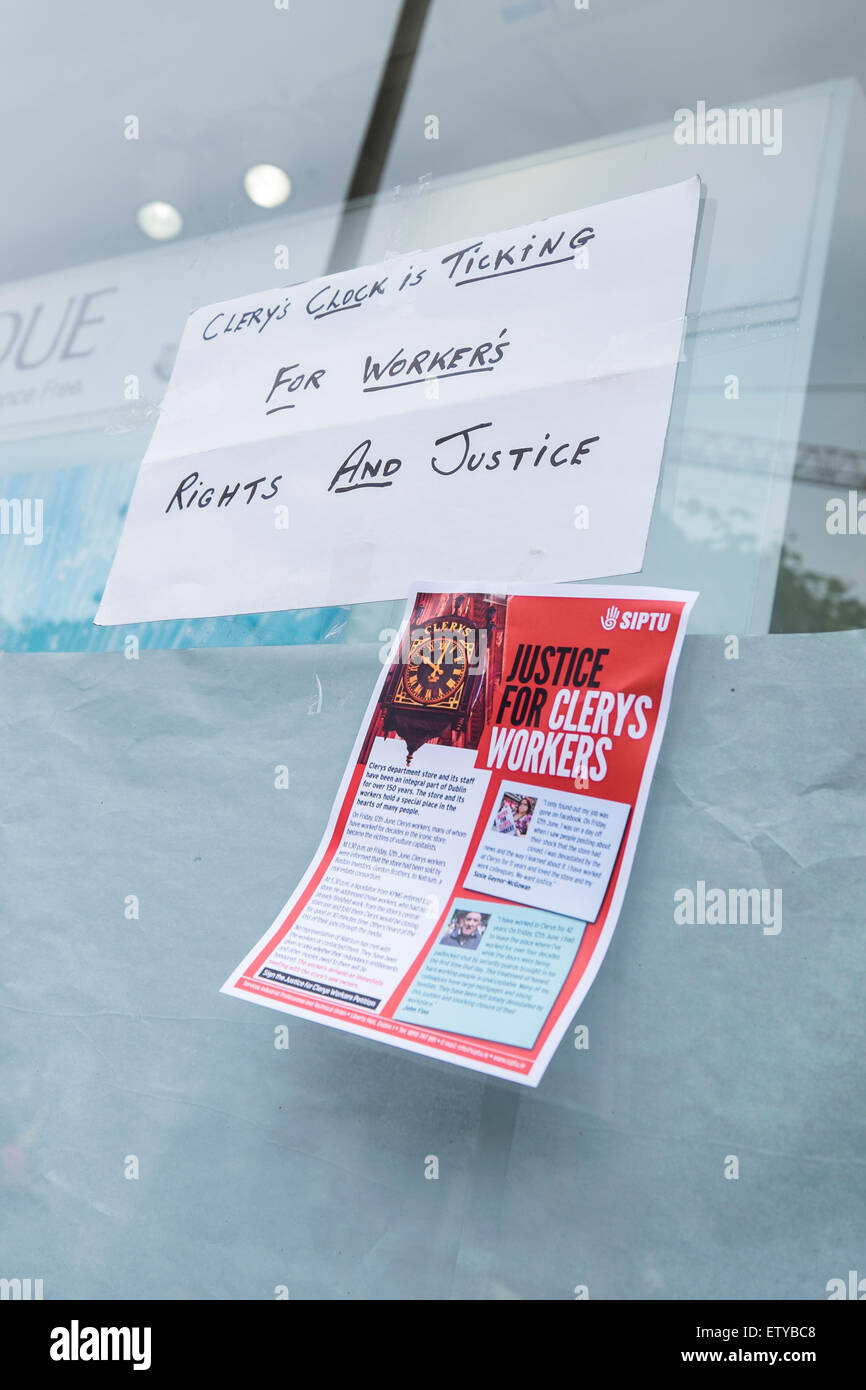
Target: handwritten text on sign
498, 405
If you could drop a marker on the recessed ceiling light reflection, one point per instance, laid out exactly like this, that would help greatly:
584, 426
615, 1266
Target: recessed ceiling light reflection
266, 185
159, 220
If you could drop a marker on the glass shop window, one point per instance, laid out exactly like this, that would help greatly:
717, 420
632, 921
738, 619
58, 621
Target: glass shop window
148, 174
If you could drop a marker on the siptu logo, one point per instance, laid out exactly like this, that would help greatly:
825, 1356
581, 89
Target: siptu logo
634, 621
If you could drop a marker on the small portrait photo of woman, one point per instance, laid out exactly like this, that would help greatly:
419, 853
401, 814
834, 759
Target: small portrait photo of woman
514, 813
525, 808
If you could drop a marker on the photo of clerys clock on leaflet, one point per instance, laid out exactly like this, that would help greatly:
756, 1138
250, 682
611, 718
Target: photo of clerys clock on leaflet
439, 686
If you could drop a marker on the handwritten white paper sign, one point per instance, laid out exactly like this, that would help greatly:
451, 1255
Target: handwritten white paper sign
496, 406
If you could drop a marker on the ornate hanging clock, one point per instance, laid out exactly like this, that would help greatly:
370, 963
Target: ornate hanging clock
438, 683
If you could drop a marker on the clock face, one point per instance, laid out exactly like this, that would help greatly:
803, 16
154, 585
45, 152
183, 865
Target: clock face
435, 675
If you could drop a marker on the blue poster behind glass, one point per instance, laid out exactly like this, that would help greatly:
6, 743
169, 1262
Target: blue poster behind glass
55, 555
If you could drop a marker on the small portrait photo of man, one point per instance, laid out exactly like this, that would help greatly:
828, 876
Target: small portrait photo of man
466, 929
